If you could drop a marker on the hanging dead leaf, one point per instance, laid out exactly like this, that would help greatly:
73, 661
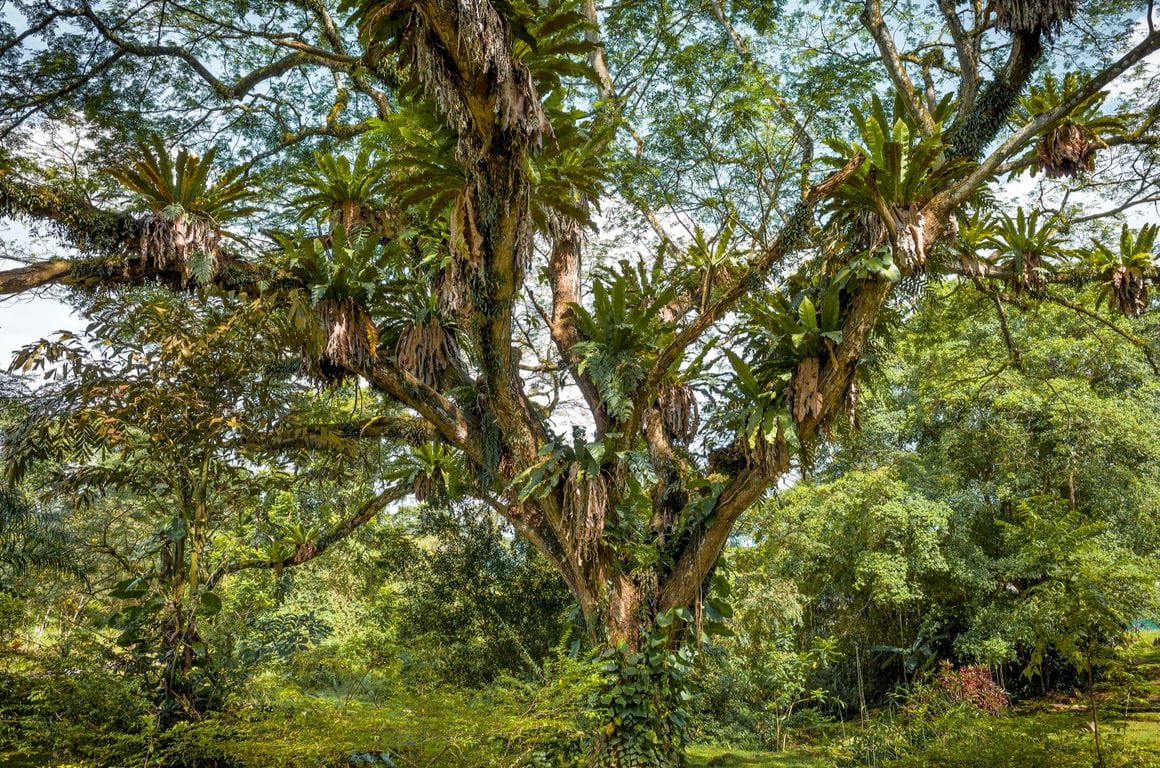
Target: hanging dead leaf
1066, 150
679, 412
1030, 15
426, 351
585, 506
807, 400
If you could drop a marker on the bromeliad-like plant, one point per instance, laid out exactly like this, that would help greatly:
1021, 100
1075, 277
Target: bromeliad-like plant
1126, 272
186, 210
791, 343
758, 413
348, 194
972, 235
1026, 248
903, 170
343, 278
426, 346
579, 466
716, 259
432, 471
621, 334
1068, 148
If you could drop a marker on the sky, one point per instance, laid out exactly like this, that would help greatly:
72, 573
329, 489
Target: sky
24, 318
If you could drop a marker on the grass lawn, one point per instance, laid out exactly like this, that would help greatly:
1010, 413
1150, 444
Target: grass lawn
1143, 729
705, 757
1143, 650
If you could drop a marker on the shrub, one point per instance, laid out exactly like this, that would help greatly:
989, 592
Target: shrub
971, 685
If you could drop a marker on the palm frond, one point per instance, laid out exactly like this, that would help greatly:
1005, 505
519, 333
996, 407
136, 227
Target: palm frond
30, 538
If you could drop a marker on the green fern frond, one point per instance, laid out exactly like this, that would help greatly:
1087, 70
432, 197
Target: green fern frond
185, 183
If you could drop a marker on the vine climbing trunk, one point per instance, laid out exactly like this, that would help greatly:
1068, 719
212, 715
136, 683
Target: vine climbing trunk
181, 569
645, 657
645, 660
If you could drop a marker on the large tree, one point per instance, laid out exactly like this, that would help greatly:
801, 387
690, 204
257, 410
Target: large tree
590, 405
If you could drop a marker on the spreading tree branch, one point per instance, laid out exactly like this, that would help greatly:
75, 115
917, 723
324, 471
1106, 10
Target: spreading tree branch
968, 63
307, 551
962, 191
871, 18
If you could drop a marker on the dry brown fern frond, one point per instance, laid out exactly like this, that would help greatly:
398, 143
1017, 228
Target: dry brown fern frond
1129, 291
426, 351
350, 338
1066, 150
1030, 15
679, 412
807, 400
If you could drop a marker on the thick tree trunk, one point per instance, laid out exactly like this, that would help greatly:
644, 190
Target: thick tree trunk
645, 660
643, 722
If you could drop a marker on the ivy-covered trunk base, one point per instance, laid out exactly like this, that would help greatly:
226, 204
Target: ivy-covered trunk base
642, 703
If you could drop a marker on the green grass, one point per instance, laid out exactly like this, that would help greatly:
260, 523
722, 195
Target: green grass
1142, 650
35, 761
1143, 729
714, 757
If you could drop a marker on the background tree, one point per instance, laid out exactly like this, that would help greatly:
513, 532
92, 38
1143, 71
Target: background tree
165, 436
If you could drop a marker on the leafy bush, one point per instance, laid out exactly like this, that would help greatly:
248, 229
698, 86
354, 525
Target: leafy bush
965, 738
80, 704
969, 685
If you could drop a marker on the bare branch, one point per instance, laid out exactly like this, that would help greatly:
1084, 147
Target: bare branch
225, 91
871, 18
445, 416
1001, 312
968, 64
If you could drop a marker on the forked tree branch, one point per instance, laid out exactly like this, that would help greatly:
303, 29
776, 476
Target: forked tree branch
962, 191
683, 585
227, 91
307, 551
871, 18
975, 129
968, 63
793, 235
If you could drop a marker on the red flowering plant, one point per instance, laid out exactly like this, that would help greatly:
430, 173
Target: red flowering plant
972, 685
